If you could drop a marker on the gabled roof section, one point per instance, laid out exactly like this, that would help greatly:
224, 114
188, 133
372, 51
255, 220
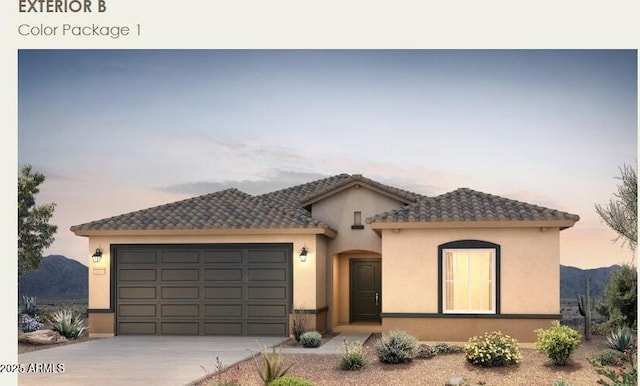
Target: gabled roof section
467, 205
359, 181
295, 195
226, 209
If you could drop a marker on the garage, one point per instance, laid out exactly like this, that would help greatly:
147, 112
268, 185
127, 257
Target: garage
202, 289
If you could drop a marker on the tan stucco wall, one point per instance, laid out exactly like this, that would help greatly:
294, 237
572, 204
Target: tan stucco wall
454, 330
337, 211
308, 277
530, 264
101, 325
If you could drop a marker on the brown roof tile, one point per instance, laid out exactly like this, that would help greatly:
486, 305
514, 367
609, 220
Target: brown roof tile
233, 209
470, 205
344, 183
226, 209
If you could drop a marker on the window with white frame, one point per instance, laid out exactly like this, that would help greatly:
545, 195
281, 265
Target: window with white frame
469, 278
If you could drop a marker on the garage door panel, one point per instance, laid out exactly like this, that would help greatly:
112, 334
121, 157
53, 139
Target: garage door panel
179, 328
180, 257
220, 274
229, 293
180, 274
137, 275
266, 310
137, 328
137, 257
223, 256
267, 293
129, 310
137, 292
180, 292
267, 274
223, 311
221, 328
266, 328
180, 310
267, 256
209, 289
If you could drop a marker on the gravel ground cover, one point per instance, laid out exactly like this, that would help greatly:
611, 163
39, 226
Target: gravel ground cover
533, 369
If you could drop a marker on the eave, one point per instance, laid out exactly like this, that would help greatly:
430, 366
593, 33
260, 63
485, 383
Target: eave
202, 232
542, 224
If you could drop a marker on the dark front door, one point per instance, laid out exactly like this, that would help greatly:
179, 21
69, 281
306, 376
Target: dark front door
366, 297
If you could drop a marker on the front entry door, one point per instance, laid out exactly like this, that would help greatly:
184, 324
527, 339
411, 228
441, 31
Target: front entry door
366, 297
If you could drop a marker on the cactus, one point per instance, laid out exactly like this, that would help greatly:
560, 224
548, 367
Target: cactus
585, 306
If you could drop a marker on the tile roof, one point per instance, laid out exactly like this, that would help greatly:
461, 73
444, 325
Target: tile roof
295, 195
470, 205
344, 183
233, 209
226, 209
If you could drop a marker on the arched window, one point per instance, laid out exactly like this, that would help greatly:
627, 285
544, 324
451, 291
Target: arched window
469, 277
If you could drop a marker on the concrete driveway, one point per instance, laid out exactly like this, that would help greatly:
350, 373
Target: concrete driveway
138, 360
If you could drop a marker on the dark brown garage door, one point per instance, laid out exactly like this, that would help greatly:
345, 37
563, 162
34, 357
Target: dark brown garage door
213, 289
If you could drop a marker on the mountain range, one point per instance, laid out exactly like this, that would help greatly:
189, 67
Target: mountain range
63, 279
58, 279
572, 281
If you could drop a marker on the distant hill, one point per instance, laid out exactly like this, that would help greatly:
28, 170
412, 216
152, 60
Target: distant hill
59, 278
572, 280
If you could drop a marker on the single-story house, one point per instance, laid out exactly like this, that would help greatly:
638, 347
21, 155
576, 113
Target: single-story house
344, 250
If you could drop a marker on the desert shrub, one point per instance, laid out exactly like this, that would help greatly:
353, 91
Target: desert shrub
557, 342
620, 338
220, 379
30, 306
445, 348
620, 302
289, 380
311, 339
353, 357
396, 347
608, 357
30, 323
625, 370
561, 382
67, 322
600, 328
425, 351
493, 349
298, 318
272, 366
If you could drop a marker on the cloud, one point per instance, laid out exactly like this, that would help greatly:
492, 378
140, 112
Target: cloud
274, 179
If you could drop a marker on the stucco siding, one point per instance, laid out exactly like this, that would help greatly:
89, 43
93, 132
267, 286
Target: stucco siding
337, 211
529, 265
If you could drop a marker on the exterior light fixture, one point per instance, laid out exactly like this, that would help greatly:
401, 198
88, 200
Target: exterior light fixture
97, 255
303, 254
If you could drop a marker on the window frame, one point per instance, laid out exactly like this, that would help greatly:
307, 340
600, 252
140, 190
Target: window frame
468, 245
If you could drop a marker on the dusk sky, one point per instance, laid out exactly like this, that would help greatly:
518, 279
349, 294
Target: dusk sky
121, 130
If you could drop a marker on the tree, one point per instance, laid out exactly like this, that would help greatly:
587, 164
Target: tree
34, 231
621, 214
620, 303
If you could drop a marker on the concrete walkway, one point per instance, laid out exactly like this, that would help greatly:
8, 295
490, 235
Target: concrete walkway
333, 346
138, 360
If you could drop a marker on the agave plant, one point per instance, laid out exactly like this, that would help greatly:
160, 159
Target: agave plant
272, 366
67, 322
620, 339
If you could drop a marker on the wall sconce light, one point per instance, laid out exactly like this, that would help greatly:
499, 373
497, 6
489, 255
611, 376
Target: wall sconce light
303, 254
97, 255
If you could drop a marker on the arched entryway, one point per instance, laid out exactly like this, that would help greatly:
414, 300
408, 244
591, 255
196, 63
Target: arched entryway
357, 288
